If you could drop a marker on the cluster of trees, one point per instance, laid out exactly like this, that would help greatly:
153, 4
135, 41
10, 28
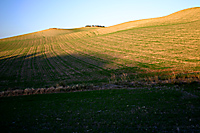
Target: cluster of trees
94, 26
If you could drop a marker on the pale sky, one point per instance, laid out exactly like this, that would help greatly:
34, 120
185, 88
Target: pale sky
26, 16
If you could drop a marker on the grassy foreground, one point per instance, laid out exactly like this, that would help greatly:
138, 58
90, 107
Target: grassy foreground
144, 108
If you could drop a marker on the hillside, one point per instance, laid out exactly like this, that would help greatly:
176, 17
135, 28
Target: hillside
183, 16
163, 48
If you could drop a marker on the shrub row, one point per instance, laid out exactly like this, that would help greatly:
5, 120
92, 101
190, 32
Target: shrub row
94, 26
78, 87
59, 89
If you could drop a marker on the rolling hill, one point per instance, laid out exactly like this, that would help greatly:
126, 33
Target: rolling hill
157, 48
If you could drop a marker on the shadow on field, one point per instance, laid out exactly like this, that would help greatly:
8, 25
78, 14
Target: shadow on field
49, 69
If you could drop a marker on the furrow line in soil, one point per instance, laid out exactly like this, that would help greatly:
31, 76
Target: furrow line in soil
152, 54
23, 65
38, 64
51, 70
71, 51
8, 59
76, 63
29, 70
54, 62
112, 52
69, 71
46, 68
97, 56
67, 60
118, 51
90, 69
14, 66
83, 68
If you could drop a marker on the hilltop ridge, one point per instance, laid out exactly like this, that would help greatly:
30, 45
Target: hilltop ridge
182, 16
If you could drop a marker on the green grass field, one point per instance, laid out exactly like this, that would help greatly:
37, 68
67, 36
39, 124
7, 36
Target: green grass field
138, 76
161, 47
143, 109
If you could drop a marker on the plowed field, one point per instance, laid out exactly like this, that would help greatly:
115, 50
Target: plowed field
163, 47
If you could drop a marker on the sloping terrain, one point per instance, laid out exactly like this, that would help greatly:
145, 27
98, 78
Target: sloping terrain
183, 16
51, 32
162, 47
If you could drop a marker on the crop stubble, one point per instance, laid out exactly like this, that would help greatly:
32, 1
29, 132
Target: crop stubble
170, 43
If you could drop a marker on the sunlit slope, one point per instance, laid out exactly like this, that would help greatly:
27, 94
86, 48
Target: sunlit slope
183, 16
173, 46
82, 55
52, 32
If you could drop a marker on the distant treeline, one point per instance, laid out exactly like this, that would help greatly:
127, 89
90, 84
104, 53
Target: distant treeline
94, 26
